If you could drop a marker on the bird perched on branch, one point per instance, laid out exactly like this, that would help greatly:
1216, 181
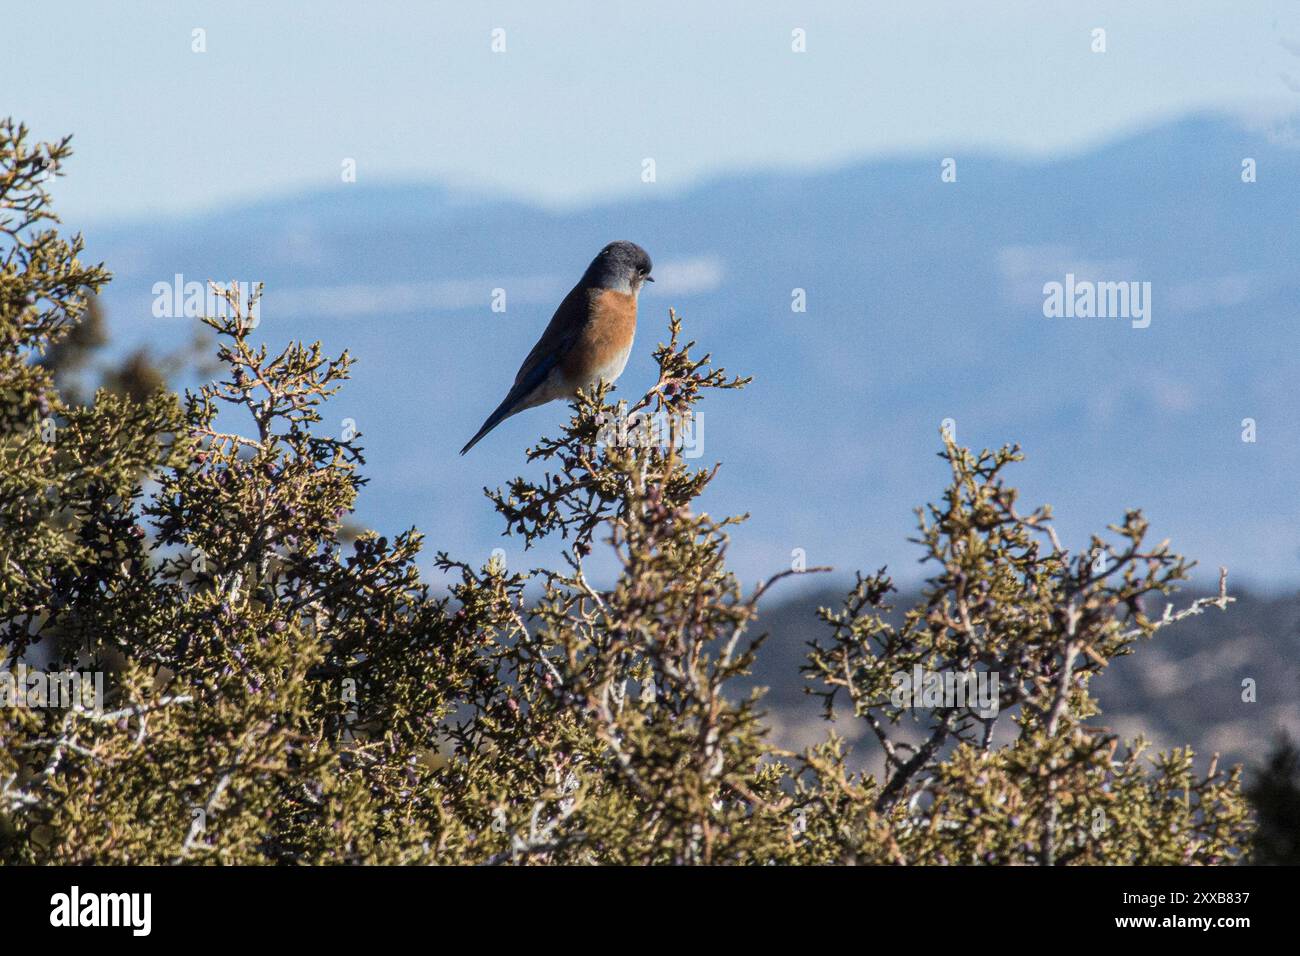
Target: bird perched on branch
588, 339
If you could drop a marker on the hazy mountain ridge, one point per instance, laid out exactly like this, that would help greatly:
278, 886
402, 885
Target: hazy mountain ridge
924, 303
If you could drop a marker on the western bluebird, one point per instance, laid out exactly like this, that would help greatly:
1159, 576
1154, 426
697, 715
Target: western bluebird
589, 338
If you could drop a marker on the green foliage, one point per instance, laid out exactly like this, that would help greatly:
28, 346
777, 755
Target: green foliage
1008, 599
281, 692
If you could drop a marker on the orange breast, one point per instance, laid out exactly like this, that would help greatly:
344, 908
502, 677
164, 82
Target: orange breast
606, 338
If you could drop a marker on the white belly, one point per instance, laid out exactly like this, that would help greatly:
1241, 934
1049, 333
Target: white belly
614, 369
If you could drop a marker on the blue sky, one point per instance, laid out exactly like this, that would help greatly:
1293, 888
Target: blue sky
285, 92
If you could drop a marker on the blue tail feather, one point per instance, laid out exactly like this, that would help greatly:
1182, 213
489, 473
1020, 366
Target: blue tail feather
510, 404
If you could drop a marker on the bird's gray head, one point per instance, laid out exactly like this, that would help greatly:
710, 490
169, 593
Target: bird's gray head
621, 266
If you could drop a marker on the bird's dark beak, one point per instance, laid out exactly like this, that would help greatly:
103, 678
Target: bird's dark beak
649, 278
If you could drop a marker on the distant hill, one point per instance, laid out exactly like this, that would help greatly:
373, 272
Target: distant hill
924, 302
